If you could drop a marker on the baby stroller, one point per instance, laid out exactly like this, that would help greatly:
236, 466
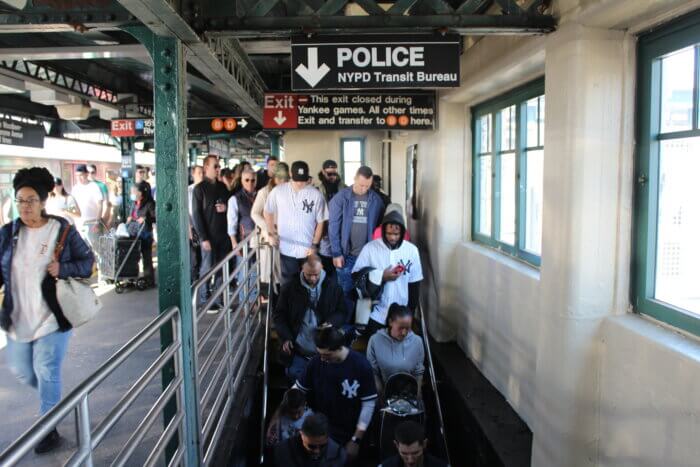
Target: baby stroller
119, 260
402, 403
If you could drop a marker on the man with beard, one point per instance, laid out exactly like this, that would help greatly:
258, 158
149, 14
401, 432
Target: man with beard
331, 184
399, 261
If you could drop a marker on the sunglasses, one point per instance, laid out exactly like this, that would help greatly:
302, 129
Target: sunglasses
217, 166
331, 174
248, 179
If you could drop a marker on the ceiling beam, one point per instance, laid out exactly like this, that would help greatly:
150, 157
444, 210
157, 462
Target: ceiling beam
221, 60
267, 47
73, 52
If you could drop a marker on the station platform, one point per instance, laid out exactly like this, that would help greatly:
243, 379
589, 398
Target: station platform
122, 317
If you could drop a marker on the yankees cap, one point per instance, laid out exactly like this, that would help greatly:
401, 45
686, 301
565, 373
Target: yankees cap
300, 171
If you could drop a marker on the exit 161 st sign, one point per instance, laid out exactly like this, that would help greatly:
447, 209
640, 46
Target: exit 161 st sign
376, 61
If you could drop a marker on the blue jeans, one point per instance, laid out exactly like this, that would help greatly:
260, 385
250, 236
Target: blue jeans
38, 364
345, 282
252, 279
208, 262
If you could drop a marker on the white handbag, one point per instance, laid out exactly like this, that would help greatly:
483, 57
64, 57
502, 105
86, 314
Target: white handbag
78, 301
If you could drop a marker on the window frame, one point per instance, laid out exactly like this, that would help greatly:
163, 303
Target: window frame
517, 97
651, 48
361, 139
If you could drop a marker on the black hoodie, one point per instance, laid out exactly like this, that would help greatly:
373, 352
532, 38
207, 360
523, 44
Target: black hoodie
394, 217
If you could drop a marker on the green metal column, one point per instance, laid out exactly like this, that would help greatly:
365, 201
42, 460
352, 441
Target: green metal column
127, 173
275, 146
174, 288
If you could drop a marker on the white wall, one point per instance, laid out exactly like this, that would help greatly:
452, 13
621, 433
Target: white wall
596, 384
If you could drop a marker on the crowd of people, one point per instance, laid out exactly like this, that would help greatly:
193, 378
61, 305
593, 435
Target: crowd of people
343, 267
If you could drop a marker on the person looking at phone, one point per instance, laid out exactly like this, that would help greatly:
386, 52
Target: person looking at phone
209, 204
402, 272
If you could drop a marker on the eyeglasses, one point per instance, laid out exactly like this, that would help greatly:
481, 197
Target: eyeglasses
331, 174
28, 202
217, 166
248, 179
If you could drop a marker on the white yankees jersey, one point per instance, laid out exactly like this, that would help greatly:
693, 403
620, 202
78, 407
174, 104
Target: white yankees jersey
298, 213
377, 255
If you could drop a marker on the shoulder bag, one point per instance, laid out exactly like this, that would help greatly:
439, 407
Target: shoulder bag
78, 301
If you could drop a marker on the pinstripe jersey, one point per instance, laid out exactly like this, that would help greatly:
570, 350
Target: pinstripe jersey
298, 213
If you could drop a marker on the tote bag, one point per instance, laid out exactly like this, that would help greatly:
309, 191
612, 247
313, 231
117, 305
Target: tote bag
77, 299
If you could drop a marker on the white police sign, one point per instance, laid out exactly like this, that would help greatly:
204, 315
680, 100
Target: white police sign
375, 61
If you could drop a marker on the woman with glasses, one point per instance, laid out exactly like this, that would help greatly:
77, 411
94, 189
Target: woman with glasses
37, 330
281, 176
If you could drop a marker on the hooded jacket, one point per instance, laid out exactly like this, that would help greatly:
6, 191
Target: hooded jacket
389, 356
380, 254
341, 215
76, 260
394, 217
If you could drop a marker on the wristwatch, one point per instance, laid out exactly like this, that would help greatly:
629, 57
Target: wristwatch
316, 245
355, 440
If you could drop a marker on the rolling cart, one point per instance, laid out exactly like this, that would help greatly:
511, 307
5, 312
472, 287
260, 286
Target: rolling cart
119, 261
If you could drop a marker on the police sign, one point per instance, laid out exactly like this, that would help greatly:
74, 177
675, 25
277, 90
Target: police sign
375, 61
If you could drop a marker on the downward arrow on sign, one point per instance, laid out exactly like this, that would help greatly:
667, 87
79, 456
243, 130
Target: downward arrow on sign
280, 118
313, 73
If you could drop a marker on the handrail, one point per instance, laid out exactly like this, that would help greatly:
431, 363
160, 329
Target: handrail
224, 344
433, 379
77, 400
268, 311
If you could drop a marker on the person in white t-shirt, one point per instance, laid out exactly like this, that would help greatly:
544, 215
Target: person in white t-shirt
295, 213
90, 199
37, 330
399, 261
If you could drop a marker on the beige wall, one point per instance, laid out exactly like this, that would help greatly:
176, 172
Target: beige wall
598, 385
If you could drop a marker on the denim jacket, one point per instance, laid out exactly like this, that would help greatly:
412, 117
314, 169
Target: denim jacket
341, 215
76, 260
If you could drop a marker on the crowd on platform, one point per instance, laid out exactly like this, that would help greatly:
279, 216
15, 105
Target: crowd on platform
342, 269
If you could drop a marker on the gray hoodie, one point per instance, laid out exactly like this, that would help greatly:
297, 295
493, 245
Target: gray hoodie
389, 356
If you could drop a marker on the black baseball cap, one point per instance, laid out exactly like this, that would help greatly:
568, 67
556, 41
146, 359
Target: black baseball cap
330, 163
300, 171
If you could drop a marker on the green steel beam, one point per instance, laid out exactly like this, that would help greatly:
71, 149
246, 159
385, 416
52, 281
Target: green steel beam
174, 287
275, 146
471, 7
465, 24
510, 7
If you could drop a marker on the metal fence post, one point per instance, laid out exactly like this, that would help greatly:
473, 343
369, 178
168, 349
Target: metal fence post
84, 430
170, 137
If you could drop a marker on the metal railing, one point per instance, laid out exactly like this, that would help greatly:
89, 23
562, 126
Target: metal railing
266, 367
433, 380
77, 401
224, 340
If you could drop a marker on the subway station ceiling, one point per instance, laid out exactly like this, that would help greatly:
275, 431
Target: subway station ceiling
72, 60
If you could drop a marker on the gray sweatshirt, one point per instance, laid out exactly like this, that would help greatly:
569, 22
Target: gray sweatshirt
389, 356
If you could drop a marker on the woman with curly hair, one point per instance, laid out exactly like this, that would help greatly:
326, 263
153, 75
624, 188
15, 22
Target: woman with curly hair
37, 330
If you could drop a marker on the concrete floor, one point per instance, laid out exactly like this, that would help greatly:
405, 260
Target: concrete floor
120, 319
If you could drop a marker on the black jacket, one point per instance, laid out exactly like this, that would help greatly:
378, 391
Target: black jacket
147, 210
290, 453
428, 461
294, 301
210, 225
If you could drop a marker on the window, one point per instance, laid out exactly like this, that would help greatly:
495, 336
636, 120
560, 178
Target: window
508, 164
667, 211
352, 156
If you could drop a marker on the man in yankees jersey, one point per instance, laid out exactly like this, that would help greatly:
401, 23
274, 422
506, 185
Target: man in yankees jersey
339, 383
295, 213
